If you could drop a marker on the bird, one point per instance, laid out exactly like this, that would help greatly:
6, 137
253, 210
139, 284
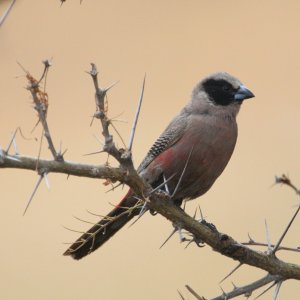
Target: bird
187, 157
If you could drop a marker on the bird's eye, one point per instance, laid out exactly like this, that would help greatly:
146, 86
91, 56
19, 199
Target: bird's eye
225, 88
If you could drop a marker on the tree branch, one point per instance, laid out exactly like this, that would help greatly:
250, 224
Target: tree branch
249, 288
225, 244
69, 168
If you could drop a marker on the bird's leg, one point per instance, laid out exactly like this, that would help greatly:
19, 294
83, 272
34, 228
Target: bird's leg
211, 226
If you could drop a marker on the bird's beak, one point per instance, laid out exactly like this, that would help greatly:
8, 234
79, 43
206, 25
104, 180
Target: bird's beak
243, 93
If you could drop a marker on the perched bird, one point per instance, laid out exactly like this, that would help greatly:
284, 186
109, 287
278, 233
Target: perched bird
192, 152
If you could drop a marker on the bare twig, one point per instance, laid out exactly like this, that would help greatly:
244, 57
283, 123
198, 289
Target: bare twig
285, 180
40, 99
253, 243
101, 113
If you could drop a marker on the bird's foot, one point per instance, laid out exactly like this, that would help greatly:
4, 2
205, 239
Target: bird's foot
211, 226
163, 195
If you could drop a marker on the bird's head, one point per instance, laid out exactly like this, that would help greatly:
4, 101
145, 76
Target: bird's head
222, 89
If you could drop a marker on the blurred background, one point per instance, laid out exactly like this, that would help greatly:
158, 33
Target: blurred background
176, 43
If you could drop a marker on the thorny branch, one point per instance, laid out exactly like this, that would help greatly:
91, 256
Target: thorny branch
41, 103
246, 290
66, 167
252, 242
123, 156
276, 278
277, 270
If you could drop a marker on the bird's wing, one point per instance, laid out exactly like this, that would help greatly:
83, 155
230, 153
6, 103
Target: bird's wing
169, 137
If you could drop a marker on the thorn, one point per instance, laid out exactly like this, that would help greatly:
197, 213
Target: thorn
234, 286
118, 133
268, 237
182, 298
136, 116
60, 147
195, 213
264, 291
45, 175
114, 187
2, 155
224, 293
231, 272
276, 292
194, 293
112, 85
7, 11
168, 238
33, 193
15, 146
162, 184
12, 158
93, 153
201, 214
115, 118
21, 66
251, 240
192, 240
93, 118
11, 141
98, 140
166, 186
183, 171
65, 151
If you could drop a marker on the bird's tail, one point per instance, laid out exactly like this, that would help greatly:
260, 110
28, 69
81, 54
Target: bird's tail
96, 236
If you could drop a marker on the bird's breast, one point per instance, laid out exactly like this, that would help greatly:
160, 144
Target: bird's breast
196, 160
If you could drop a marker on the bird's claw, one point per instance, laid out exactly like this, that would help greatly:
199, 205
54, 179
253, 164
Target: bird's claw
211, 226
